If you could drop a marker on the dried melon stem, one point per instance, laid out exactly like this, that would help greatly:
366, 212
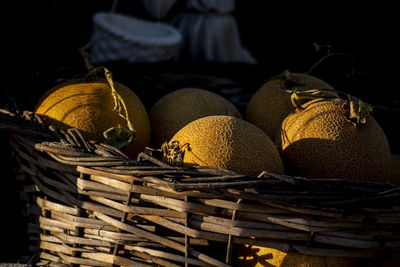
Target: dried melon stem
115, 136
174, 152
358, 110
299, 97
291, 82
313, 67
128, 135
319, 47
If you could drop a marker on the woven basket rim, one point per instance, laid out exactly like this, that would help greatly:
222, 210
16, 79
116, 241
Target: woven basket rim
223, 206
210, 177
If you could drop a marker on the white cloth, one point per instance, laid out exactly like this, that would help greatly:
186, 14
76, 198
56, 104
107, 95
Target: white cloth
210, 32
158, 9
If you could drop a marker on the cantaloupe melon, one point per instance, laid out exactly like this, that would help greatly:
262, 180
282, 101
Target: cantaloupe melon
321, 141
176, 109
271, 102
230, 143
254, 256
88, 105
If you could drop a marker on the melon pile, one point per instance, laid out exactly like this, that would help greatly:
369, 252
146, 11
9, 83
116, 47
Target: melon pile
294, 124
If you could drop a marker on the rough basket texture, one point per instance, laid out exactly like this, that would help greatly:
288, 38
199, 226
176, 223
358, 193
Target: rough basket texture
89, 204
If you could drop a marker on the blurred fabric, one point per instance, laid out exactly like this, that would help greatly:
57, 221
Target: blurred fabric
210, 32
158, 9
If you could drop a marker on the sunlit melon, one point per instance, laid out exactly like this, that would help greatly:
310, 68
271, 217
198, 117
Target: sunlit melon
322, 140
88, 105
230, 143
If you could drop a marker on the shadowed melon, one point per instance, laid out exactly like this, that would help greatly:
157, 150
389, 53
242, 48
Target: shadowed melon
334, 139
254, 256
227, 142
88, 105
395, 170
271, 103
178, 108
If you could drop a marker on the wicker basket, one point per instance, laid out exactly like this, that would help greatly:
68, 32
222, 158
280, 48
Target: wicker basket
91, 205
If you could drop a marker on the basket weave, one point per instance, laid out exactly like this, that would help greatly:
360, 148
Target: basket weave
91, 205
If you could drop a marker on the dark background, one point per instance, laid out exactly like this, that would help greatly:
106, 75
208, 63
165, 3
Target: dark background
45, 34
40, 40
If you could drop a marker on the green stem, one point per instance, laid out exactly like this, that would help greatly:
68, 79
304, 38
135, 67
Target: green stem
358, 110
116, 136
118, 100
328, 56
86, 58
299, 95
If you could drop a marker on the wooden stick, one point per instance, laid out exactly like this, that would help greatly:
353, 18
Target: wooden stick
153, 259
179, 205
123, 219
112, 259
187, 239
229, 247
158, 239
191, 232
170, 256
137, 209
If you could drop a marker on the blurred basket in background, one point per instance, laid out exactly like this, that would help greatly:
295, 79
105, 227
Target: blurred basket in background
123, 37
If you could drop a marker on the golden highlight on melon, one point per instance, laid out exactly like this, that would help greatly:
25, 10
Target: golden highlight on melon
271, 103
230, 143
319, 141
255, 256
89, 107
178, 108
